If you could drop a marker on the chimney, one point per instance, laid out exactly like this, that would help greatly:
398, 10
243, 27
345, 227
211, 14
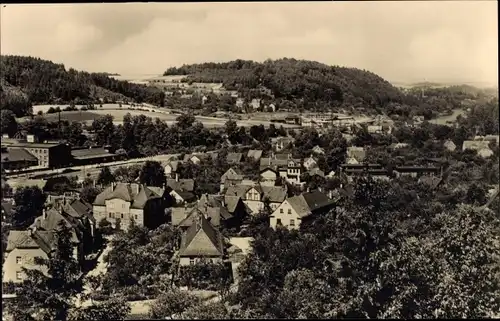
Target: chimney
136, 188
113, 186
308, 189
176, 177
44, 214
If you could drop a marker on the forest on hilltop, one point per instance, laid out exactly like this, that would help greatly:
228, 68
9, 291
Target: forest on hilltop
292, 79
308, 85
29, 80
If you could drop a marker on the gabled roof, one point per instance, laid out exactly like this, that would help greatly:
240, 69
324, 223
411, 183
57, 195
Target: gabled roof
307, 203
201, 239
18, 155
318, 150
238, 190
7, 208
79, 209
275, 194
136, 194
186, 184
44, 240
232, 173
254, 153
316, 171
231, 202
234, 157
51, 223
186, 196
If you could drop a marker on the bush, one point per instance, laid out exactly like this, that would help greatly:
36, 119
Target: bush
105, 227
205, 276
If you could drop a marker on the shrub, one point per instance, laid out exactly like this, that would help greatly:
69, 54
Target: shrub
205, 276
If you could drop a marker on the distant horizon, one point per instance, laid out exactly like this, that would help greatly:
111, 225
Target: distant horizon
401, 41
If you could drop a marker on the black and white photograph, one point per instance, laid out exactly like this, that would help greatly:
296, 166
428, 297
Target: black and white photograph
250, 160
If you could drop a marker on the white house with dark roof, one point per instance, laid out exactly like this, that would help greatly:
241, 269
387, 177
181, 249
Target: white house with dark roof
23, 247
130, 201
294, 210
171, 168
201, 241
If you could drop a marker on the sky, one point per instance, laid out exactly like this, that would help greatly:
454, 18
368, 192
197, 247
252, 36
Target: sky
402, 41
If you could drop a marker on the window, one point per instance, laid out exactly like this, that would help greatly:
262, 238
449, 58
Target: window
19, 275
292, 222
19, 260
121, 215
289, 211
136, 216
278, 222
191, 261
281, 210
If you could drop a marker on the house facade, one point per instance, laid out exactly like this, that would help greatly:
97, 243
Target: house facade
257, 196
23, 248
125, 202
294, 210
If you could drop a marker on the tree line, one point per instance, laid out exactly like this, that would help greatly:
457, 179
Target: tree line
39, 81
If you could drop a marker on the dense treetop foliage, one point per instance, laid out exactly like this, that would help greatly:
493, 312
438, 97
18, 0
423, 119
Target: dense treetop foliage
28, 80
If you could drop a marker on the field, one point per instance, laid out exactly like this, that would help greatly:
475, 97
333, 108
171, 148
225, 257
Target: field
163, 114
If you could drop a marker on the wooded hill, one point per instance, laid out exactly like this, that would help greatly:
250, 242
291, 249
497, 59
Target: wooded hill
29, 80
291, 79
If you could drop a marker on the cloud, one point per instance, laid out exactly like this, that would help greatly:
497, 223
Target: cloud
401, 41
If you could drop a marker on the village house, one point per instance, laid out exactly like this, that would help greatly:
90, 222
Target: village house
181, 190
490, 138
257, 196
255, 103
316, 172
233, 176
196, 158
201, 241
51, 221
294, 210
254, 154
318, 150
125, 202
240, 103
355, 155
284, 165
234, 158
218, 209
310, 163
280, 143
482, 147
450, 145
171, 168
23, 248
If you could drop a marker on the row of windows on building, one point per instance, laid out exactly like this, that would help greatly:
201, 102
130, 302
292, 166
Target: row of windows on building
120, 215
